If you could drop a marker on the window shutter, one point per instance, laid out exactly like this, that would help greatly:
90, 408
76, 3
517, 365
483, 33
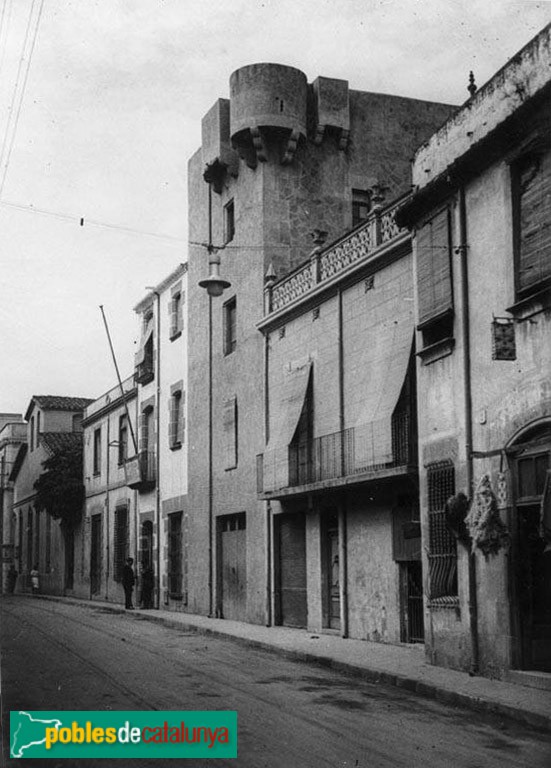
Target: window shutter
434, 283
182, 419
534, 189
229, 423
181, 313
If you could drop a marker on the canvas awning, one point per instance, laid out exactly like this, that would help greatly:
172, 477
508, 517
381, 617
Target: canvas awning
285, 412
386, 363
139, 357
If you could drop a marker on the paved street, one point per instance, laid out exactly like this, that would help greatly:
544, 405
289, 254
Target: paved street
60, 656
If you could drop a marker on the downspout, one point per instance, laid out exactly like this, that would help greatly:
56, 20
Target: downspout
343, 550
158, 461
211, 500
465, 334
106, 510
267, 504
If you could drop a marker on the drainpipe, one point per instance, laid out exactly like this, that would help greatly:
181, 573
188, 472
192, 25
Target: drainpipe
158, 458
267, 503
106, 511
465, 334
343, 550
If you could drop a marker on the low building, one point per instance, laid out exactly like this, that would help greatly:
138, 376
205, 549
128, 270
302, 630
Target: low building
108, 533
13, 434
54, 425
160, 474
481, 213
339, 471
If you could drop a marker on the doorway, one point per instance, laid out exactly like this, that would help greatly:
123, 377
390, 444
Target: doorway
533, 561
95, 556
330, 571
290, 560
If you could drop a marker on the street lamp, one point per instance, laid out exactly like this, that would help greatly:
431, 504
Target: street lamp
214, 284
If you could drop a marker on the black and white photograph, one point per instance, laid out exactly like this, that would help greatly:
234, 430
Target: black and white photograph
275, 383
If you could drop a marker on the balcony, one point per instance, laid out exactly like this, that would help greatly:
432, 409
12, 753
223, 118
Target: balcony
141, 471
349, 457
145, 372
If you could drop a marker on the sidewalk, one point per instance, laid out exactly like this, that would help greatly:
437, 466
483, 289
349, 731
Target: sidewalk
401, 665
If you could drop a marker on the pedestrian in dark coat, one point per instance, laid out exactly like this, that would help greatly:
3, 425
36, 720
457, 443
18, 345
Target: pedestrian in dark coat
128, 580
148, 581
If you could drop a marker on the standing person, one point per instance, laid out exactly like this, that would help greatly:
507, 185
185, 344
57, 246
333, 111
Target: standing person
147, 587
12, 578
128, 581
35, 581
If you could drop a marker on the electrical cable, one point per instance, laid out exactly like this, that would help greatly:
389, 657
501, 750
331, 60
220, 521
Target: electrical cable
23, 89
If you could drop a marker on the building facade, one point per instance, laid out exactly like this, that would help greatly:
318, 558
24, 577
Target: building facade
13, 434
108, 534
280, 160
54, 424
161, 375
481, 214
339, 471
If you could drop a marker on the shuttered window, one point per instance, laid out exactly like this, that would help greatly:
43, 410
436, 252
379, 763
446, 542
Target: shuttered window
175, 555
532, 199
176, 311
229, 423
434, 280
121, 542
176, 421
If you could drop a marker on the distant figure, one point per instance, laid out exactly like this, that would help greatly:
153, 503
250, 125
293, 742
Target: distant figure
128, 581
148, 581
35, 582
12, 579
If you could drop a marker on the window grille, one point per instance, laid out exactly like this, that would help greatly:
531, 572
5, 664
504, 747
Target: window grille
442, 545
121, 541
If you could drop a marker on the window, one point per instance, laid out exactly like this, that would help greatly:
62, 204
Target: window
229, 222
77, 422
38, 428
147, 438
176, 423
97, 451
531, 476
531, 180
361, 204
144, 358
229, 423
175, 555
230, 326
123, 438
442, 554
31, 446
176, 311
48, 543
121, 541
434, 279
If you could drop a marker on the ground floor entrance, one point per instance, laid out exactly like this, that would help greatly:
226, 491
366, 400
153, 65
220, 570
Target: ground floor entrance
232, 567
290, 566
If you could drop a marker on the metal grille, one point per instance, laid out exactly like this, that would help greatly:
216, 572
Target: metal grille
121, 542
442, 546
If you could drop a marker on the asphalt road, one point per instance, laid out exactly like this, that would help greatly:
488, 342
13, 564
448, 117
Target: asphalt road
291, 715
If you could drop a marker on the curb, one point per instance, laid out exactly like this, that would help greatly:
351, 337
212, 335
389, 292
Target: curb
413, 685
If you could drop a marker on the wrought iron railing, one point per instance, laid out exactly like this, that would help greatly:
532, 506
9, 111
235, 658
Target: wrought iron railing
379, 228
353, 451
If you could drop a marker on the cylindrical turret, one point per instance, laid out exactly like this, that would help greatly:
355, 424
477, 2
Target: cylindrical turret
267, 96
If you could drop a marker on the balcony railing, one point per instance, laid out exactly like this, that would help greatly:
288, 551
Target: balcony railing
351, 452
141, 471
379, 229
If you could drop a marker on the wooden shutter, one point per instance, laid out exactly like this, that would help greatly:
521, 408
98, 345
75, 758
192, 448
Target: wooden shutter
229, 423
434, 284
534, 236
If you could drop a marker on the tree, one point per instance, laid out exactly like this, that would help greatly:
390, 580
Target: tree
59, 489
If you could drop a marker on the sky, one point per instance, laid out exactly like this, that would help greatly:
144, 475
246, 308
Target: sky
100, 109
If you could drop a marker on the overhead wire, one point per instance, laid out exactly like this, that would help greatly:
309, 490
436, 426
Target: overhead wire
24, 86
